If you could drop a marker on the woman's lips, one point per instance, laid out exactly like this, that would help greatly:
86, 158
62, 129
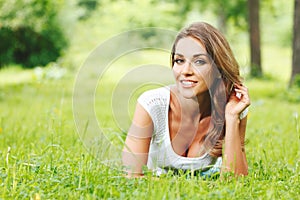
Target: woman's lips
188, 83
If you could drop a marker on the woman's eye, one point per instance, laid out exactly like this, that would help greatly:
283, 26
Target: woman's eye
179, 61
200, 62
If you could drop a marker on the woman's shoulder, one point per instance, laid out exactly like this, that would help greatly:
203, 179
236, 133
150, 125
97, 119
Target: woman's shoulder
157, 96
158, 91
161, 92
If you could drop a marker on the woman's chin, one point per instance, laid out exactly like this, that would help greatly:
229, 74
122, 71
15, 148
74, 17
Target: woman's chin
188, 94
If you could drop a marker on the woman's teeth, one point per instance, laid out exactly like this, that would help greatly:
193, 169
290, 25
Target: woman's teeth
187, 83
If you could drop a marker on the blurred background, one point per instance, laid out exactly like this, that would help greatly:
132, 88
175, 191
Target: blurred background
44, 33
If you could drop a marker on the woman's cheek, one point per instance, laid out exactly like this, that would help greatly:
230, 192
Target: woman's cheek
175, 70
206, 75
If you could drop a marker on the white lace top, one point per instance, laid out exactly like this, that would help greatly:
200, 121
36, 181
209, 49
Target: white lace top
161, 154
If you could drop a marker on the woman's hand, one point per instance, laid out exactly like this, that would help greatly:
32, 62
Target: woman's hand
234, 153
238, 100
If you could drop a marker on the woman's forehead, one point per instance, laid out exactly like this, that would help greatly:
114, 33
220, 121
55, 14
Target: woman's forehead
189, 47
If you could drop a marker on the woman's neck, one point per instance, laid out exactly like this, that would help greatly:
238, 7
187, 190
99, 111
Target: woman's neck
204, 103
193, 108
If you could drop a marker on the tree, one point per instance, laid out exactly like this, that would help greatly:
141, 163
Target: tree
236, 10
31, 33
296, 43
254, 31
226, 10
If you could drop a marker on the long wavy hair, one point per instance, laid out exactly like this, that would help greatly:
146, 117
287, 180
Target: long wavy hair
226, 73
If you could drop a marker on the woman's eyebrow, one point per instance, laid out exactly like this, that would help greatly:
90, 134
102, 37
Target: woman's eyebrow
196, 55
178, 54
200, 54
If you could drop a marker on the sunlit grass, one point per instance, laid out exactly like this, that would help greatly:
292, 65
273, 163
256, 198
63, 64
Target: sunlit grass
15, 75
277, 62
47, 159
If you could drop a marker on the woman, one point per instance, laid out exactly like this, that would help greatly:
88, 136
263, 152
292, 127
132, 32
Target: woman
199, 123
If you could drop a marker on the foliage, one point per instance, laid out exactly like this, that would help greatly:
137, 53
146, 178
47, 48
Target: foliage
277, 12
148, 14
227, 12
114, 17
293, 92
31, 32
296, 81
89, 6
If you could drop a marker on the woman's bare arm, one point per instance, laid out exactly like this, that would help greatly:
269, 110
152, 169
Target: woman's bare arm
136, 149
234, 153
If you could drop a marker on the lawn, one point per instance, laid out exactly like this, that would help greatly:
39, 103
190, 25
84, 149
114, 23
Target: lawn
43, 156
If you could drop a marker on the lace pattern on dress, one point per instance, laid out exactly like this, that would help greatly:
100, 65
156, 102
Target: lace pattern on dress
155, 102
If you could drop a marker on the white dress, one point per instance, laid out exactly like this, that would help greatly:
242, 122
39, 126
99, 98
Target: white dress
161, 156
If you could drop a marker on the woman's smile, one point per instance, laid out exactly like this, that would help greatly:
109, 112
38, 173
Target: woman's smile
188, 83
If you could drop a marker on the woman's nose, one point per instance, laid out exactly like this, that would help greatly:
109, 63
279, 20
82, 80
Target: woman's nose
187, 68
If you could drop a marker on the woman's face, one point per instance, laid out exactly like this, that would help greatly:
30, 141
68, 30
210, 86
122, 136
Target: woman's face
191, 67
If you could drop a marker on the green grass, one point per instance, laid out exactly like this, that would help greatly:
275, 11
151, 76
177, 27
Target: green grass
47, 158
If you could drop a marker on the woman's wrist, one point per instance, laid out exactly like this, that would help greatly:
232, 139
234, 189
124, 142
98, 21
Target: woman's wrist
232, 117
232, 124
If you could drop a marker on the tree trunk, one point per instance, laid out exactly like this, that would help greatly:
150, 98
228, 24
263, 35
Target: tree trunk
296, 43
255, 53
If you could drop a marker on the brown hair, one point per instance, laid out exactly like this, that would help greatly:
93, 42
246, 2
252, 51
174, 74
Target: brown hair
226, 65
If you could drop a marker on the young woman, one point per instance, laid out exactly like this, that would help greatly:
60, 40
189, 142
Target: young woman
199, 123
